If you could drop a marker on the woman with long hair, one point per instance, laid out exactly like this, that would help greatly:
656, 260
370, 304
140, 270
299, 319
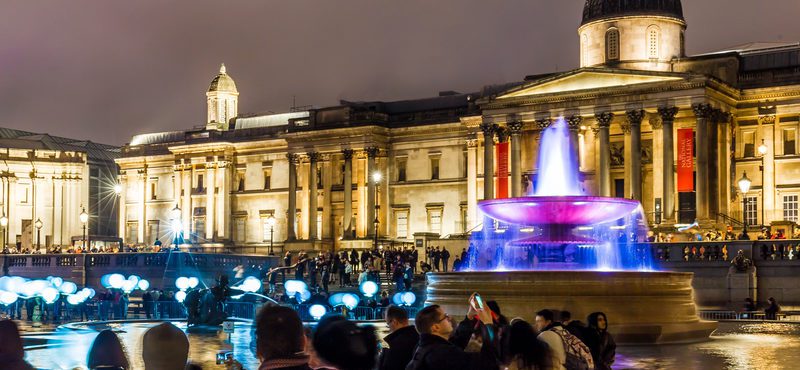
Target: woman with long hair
526, 351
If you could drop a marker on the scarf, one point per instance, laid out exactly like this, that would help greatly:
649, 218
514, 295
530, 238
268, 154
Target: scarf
280, 363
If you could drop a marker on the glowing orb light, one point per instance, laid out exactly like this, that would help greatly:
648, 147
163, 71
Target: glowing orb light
350, 301
50, 295
75, 299
182, 283
8, 298
397, 298
304, 296
317, 311
250, 284
369, 288
335, 299
134, 278
143, 284
56, 281
409, 298
294, 286
180, 296
115, 281
193, 281
129, 286
68, 287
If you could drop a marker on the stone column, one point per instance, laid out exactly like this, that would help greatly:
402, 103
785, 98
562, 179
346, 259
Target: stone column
291, 209
210, 184
372, 154
347, 219
186, 201
142, 211
58, 212
488, 159
472, 183
667, 128
702, 113
313, 158
123, 209
515, 129
574, 124
224, 200
768, 174
723, 159
604, 157
635, 121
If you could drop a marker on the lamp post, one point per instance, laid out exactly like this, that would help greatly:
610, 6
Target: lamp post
177, 226
84, 217
38, 225
762, 151
744, 186
376, 178
271, 223
4, 224
117, 189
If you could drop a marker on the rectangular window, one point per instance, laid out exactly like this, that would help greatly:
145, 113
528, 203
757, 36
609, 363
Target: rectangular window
401, 169
401, 224
790, 210
152, 232
435, 220
240, 181
132, 233
751, 210
153, 189
200, 188
199, 232
789, 141
267, 178
268, 229
434, 168
749, 142
240, 229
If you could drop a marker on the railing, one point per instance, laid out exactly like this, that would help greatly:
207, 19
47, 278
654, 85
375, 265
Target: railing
747, 315
774, 250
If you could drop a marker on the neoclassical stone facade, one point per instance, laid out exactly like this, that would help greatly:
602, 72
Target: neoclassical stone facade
311, 171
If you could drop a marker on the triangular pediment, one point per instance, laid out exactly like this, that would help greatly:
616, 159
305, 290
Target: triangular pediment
588, 80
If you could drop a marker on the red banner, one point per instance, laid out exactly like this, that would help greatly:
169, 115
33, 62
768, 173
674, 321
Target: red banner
502, 170
685, 160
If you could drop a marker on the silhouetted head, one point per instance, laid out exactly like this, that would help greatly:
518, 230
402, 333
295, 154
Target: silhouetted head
279, 333
598, 321
344, 344
12, 355
165, 347
107, 352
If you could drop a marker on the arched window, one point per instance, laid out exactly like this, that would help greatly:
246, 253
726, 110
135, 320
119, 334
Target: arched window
653, 36
612, 44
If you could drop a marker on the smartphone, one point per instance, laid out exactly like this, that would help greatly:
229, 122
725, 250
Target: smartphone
477, 302
223, 357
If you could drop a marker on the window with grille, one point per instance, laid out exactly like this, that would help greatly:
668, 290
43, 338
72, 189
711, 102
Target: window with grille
652, 42
435, 220
790, 209
751, 210
789, 141
612, 44
401, 223
267, 178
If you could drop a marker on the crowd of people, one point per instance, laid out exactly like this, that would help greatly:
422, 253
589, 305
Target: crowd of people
484, 339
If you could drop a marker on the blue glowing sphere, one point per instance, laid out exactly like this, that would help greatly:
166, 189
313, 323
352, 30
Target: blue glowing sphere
8, 298
180, 296
67, 287
143, 284
369, 288
317, 311
193, 281
182, 283
294, 286
350, 301
50, 295
116, 281
409, 298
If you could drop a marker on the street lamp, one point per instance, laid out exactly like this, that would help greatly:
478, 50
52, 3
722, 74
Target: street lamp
271, 223
38, 225
177, 225
744, 186
376, 178
117, 189
84, 217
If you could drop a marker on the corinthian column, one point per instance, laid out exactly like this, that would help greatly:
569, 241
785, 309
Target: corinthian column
604, 157
372, 153
667, 128
291, 209
472, 183
515, 129
635, 121
702, 113
574, 123
488, 159
313, 158
347, 154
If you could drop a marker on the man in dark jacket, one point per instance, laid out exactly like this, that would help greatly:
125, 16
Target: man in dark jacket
435, 352
445, 259
280, 340
402, 340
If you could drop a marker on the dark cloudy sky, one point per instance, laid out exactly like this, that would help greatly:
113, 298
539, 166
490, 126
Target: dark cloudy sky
106, 70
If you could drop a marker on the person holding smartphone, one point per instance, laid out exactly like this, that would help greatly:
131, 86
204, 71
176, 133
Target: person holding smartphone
434, 350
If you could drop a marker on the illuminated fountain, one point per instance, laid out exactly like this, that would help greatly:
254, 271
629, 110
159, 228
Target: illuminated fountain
561, 249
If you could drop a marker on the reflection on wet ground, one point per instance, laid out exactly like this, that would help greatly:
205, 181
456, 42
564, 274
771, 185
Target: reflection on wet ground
733, 346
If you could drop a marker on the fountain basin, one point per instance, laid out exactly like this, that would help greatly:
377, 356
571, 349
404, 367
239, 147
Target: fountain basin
642, 307
558, 210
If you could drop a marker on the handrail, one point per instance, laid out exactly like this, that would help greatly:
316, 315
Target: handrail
730, 220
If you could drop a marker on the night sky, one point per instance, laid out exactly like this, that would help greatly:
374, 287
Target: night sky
106, 70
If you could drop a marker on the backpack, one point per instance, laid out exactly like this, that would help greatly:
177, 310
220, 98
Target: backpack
578, 356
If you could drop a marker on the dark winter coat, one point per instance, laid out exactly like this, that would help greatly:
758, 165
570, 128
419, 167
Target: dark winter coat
435, 353
401, 348
601, 343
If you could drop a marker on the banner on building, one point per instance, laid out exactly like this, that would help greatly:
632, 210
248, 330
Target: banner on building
502, 170
685, 160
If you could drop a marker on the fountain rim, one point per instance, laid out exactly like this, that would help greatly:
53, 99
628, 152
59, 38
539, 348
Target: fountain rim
489, 206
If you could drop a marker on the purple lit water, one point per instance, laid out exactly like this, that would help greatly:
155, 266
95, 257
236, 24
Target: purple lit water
559, 227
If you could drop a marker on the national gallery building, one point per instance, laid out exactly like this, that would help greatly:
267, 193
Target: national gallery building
650, 123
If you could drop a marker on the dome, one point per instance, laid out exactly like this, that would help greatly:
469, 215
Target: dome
599, 9
223, 82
